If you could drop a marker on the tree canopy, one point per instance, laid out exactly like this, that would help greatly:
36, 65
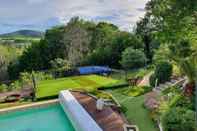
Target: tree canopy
79, 42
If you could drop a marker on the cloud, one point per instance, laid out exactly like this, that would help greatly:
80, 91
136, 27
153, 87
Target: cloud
43, 14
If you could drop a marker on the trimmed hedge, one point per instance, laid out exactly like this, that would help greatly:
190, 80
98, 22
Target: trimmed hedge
162, 73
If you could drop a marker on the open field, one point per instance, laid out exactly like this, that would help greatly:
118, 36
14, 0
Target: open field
49, 88
134, 110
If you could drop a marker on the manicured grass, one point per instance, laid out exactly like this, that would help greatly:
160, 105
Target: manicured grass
135, 111
49, 88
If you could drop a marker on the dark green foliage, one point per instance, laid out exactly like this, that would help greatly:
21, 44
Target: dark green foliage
162, 73
13, 70
133, 58
110, 53
152, 80
124, 109
179, 119
172, 19
181, 49
80, 43
186, 102
35, 57
145, 31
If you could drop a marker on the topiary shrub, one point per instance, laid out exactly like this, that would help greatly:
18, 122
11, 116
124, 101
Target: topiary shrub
163, 72
152, 80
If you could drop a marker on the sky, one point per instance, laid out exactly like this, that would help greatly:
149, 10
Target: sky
44, 14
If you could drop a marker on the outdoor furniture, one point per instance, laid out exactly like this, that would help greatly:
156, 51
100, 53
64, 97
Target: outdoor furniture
134, 81
13, 98
100, 103
130, 128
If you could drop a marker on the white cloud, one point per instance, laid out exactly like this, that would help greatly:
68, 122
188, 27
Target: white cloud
42, 13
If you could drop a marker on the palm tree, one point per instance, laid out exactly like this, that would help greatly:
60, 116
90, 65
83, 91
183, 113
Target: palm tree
188, 67
185, 57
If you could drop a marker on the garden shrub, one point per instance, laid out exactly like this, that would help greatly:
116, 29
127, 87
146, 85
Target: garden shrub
174, 100
137, 90
185, 102
3, 88
162, 73
16, 85
179, 119
173, 89
26, 77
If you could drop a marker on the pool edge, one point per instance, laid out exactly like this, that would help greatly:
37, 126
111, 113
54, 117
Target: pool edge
28, 106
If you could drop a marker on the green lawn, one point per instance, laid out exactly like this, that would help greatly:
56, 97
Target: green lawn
135, 112
49, 88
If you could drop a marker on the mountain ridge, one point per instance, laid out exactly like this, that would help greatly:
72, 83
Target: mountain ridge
23, 33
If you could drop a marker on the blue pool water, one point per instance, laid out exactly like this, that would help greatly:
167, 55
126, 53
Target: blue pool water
51, 118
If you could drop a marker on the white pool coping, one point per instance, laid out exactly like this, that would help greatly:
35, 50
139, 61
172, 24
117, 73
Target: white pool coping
28, 106
78, 116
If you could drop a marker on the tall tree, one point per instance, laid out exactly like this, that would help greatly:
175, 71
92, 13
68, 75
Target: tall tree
77, 39
145, 29
173, 19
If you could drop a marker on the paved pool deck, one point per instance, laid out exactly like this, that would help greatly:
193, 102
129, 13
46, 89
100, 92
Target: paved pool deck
108, 119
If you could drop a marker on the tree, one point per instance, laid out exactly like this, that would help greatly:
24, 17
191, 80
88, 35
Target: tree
59, 63
4, 54
172, 19
81, 43
111, 53
133, 58
103, 35
185, 57
7, 55
77, 40
69, 42
145, 29
161, 54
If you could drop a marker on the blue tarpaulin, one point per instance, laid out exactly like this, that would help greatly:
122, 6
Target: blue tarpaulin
94, 70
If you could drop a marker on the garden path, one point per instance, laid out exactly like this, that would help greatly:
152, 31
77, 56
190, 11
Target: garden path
145, 80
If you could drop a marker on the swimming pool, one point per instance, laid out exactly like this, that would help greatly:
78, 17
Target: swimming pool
50, 118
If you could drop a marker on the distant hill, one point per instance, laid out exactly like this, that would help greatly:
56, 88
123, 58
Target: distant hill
24, 33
